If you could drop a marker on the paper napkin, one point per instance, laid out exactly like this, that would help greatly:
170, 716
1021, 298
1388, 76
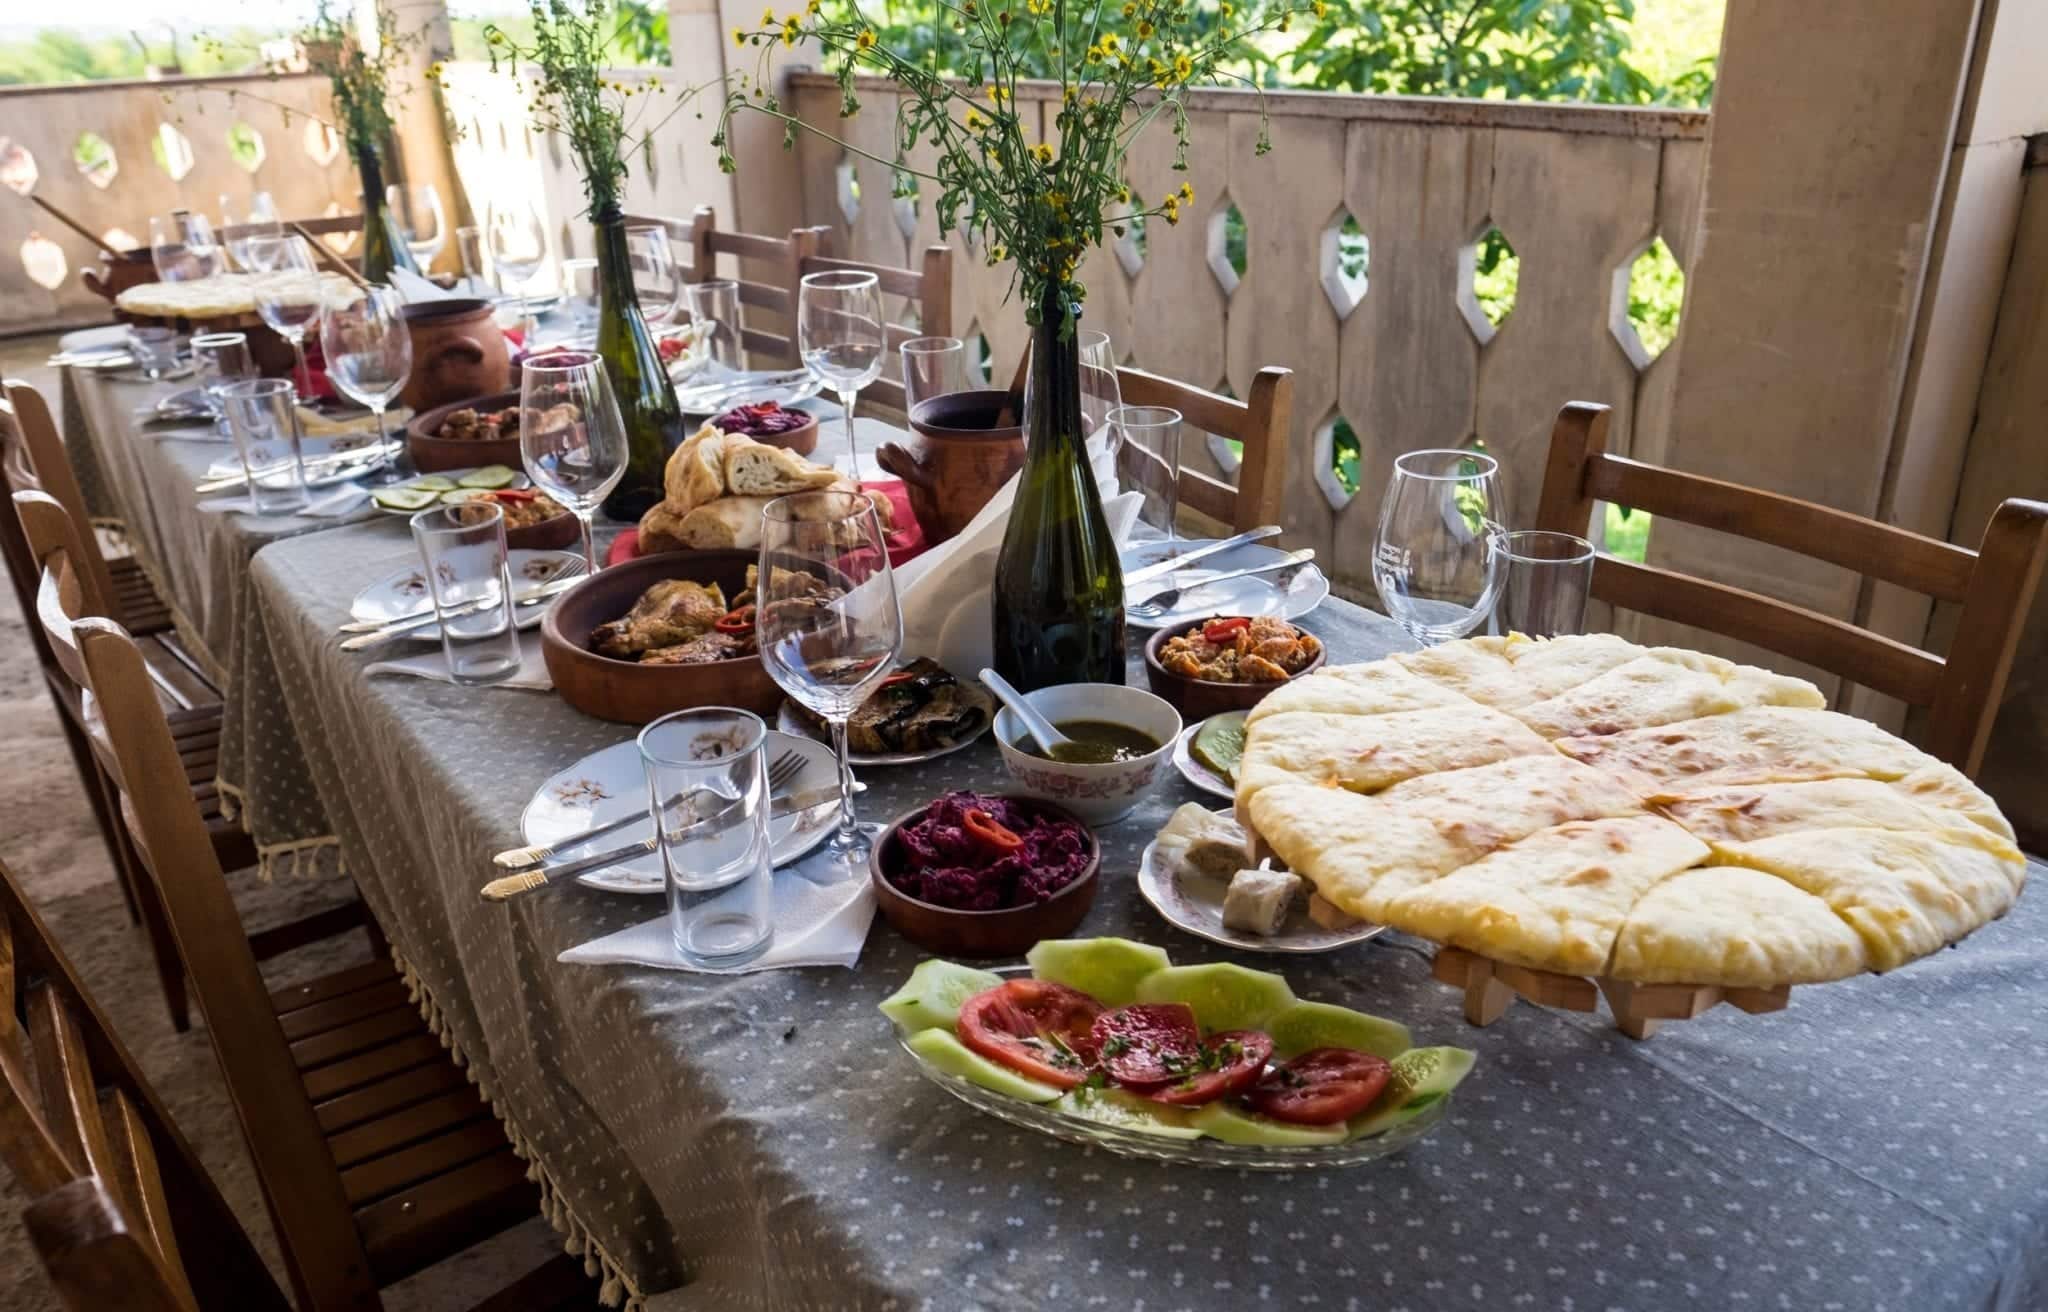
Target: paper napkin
815, 925
432, 663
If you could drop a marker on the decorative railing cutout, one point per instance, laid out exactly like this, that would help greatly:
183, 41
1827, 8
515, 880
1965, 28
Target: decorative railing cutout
94, 156
1228, 244
1337, 459
1488, 274
1346, 257
245, 147
172, 150
18, 172
1649, 293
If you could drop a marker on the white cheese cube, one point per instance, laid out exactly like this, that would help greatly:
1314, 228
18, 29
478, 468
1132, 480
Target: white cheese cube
1257, 901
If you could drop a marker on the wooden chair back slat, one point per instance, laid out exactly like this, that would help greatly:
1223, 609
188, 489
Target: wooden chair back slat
893, 281
325, 226
1259, 423
773, 289
71, 1105
92, 1256
144, 1183
60, 593
1995, 585
764, 297
50, 466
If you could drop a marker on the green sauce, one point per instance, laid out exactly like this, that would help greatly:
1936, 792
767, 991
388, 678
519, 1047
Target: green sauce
1095, 742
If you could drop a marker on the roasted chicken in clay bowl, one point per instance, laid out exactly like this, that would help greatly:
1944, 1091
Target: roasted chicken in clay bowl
1227, 662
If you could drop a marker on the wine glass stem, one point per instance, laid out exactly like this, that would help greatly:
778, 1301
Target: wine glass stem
849, 827
583, 518
846, 400
303, 379
383, 435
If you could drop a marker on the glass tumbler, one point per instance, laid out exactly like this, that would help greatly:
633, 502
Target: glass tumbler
1148, 445
932, 366
263, 416
154, 348
707, 787
1548, 577
462, 548
715, 304
220, 359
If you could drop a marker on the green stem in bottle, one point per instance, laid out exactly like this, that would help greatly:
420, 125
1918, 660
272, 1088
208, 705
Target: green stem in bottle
384, 247
640, 381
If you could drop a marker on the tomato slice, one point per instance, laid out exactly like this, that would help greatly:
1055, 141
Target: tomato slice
1231, 1062
1321, 1086
1035, 1027
1148, 1044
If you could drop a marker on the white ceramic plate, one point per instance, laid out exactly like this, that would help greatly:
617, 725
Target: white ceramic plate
1195, 904
608, 784
1201, 776
795, 725
309, 449
403, 592
713, 390
519, 480
1253, 596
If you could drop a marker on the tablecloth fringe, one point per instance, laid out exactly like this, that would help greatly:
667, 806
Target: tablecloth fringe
300, 857
617, 1288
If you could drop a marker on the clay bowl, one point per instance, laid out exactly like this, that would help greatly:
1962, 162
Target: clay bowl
557, 534
1198, 699
627, 691
433, 454
1008, 933
802, 440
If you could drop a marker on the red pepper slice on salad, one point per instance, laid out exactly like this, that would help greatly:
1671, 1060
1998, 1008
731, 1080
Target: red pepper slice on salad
514, 494
900, 676
736, 621
1224, 629
986, 830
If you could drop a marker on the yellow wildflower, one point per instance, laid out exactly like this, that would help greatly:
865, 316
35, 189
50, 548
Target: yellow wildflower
1145, 28
997, 92
974, 121
1043, 152
792, 28
813, 7
1130, 9
739, 36
996, 252
1124, 194
1187, 193
866, 39
1286, 21
1224, 8
767, 18
1183, 68
1322, 9
1108, 41
1169, 209
1094, 54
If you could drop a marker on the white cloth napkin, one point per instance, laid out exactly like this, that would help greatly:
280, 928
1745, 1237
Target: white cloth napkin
327, 503
414, 289
432, 663
815, 925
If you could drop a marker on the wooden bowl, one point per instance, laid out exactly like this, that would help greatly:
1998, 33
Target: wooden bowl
433, 454
557, 534
1007, 933
802, 440
1198, 699
627, 691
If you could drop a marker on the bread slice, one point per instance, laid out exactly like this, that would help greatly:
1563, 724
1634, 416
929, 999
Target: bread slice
661, 529
727, 522
755, 469
695, 472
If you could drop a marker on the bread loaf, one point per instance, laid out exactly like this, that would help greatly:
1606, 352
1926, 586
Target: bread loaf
755, 469
727, 522
696, 471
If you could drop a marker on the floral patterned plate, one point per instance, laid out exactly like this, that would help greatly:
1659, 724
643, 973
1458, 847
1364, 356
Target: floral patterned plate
404, 592
1194, 904
608, 784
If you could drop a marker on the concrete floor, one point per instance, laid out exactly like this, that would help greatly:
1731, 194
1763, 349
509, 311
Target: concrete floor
49, 843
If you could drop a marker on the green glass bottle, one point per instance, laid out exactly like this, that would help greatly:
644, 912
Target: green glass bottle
384, 247
1058, 603
647, 399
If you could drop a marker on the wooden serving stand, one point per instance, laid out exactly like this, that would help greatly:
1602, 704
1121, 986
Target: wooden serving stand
1491, 986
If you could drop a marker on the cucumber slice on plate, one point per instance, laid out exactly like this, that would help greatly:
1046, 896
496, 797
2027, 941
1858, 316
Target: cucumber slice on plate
432, 483
489, 478
931, 997
1220, 1120
1308, 1025
1219, 743
1421, 1076
1106, 969
404, 498
945, 1052
1224, 996
1127, 1111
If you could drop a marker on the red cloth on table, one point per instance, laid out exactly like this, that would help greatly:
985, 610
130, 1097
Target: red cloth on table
905, 541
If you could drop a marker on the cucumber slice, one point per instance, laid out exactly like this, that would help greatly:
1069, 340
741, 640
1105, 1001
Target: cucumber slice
403, 498
1224, 996
432, 483
1219, 743
457, 495
1220, 1120
488, 478
1308, 1025
942, 1050
931, 997
1421, 1076
1106, 969
1127, 1111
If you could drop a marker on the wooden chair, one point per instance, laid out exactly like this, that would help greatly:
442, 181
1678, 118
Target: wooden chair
328, 226
929, 286
706, 241
1994, 584
376, 1157
1258, 423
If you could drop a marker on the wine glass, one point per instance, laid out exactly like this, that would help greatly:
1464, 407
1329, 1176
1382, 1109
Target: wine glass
828, 625
519, 245
369, 350
421, 220
289, 297
1101, 398
571, 437
182, 247
656, 283
1437, 559
839, 330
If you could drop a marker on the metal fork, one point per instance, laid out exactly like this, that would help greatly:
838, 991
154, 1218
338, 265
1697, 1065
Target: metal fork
1159, 603
782, 771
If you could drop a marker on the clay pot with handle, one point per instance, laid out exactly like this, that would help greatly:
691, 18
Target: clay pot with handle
961, 458
457, 352
113, 277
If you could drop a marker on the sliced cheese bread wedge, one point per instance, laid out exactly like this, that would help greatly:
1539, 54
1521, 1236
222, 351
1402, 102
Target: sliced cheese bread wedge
1749, 812
1663, 686
1757, 745
1377, 688
1365, 753
1737, 927
1518, 671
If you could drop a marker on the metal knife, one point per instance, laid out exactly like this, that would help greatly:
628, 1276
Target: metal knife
1181, 560
361, 455
571, 568
399, 628
510, 886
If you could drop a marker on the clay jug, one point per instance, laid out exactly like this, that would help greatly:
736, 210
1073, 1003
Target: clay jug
968, 445
457, 352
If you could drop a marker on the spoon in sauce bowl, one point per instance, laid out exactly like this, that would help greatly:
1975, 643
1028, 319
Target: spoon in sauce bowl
1049, 739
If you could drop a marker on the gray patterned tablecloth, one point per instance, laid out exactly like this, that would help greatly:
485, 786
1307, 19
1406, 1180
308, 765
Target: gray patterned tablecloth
759, 1142
199, 561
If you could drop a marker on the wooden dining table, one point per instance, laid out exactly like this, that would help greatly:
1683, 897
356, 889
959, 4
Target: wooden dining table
760, 1141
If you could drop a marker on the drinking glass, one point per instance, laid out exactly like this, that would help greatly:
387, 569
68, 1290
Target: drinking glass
263, 415
462, 547
262, 222
221, 359
828, 652
518, 244
1148, 437
708, 792
154, 348
656, 284
715, 305
839, 330
469, 248
571, 437
1437, 560
579, 288
932, 366
369, 350
289, 299
182, 247
1543, 592
421, 221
